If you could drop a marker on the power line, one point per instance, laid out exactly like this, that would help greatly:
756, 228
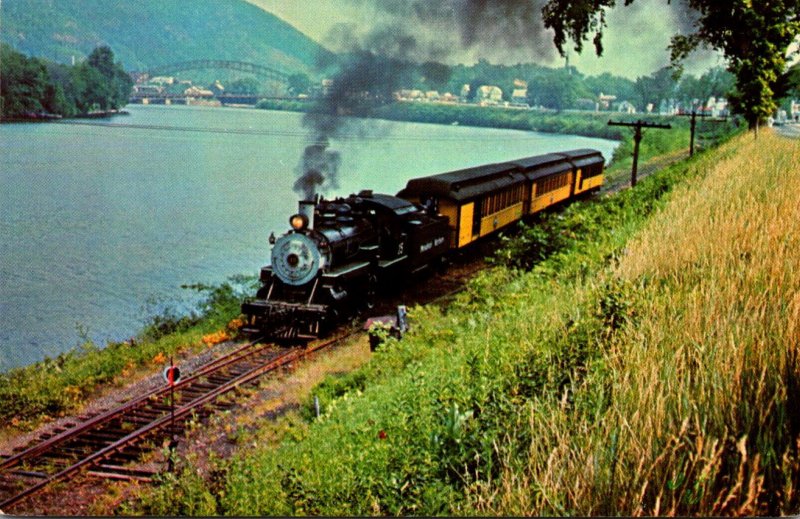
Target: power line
292, 133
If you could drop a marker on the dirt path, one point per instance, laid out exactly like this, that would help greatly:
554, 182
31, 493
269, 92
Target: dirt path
646, 169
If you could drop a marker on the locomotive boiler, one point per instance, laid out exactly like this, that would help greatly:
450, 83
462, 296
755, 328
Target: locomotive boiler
335, 257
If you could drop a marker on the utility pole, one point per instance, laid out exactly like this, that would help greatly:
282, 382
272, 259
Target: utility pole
694, 115
637, 138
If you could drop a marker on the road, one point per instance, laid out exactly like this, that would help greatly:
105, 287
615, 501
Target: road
789, 130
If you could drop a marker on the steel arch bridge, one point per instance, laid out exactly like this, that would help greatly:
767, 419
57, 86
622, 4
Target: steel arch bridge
241, 66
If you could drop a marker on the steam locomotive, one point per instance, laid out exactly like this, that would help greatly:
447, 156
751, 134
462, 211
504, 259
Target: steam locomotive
338, 253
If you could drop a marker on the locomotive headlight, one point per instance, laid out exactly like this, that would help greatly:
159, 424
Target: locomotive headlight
298, 222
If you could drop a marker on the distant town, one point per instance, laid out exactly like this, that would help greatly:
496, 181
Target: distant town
172, 90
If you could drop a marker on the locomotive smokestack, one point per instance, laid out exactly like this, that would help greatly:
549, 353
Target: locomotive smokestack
306, 208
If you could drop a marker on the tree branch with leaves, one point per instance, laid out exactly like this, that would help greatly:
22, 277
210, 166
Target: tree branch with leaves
753, 35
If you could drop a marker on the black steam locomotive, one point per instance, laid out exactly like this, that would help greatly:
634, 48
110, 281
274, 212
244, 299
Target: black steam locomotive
335, 257
338, 252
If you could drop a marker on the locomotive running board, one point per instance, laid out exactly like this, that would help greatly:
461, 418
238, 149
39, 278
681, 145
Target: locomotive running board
392, 262
346, 271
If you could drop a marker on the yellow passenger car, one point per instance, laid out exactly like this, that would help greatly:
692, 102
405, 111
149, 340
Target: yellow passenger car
549, 179
588, 168
477, 201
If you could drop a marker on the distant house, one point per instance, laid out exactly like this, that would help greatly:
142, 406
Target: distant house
520, 92
626, 107
489, 95
151, 90
197, 92
410, 95
327, 84
667, 107
519, 95
162, 80
217, 88
465, 90
717, 107
604, 101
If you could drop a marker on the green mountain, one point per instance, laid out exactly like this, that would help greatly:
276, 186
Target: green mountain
147, 33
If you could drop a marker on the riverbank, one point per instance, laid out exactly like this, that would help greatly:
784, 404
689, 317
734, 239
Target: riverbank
587, 124
47, 117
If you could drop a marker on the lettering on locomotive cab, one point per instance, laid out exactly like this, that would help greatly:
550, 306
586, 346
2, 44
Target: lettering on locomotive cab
431, 244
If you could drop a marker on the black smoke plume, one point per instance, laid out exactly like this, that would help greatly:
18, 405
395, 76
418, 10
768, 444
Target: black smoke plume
407, 33
319, 164
494, 27
366, 77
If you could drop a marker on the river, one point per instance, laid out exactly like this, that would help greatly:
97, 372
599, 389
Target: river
102, 221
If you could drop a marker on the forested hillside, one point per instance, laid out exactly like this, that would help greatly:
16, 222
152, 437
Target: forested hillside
146, 33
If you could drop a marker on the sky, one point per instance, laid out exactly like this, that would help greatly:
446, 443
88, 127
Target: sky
635, 41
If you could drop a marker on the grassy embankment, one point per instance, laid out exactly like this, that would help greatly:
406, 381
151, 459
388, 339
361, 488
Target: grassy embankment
646, 366
62, 384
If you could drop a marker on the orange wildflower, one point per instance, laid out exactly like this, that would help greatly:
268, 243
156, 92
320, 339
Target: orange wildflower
215, 338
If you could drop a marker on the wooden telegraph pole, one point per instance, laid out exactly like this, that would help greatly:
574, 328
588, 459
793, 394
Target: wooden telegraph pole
694, 115
637, 138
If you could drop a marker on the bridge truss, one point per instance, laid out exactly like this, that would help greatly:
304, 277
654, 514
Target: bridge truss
241, 66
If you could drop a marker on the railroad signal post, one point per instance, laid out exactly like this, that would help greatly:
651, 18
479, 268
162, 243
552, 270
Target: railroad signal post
637, 138
172, 375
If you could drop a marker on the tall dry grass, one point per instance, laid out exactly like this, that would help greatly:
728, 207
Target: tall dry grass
694, 408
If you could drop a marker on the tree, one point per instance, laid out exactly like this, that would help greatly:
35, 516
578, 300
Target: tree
557, 89
31, 86
791, 82
754, 36
23, 84
88, 89
247, 86
655, 88
693, 91
117, 89
435, 75
606, 83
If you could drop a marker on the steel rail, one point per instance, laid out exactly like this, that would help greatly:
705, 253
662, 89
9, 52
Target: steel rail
128, 406
244, 378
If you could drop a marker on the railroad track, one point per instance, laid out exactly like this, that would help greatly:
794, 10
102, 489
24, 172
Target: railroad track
104, 444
